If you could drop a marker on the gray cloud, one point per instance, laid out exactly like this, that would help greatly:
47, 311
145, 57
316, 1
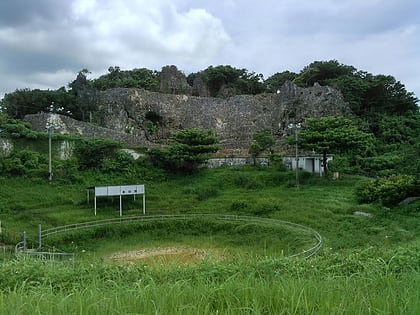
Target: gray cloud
45, 43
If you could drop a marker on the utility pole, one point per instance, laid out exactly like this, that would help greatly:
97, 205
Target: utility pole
296, 126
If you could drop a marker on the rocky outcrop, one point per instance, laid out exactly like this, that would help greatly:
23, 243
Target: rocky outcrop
144, 118
173, 81
234, 119
67, 125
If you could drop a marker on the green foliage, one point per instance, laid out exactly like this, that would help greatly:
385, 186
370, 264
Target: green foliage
188, 150
247, 182
262, 141
335, 135
368, 95
388, 190
401, 130
92, 152
16, 128
242, 81
321, 71
340, 164
273, 83
26, 101
24, 162
136, 78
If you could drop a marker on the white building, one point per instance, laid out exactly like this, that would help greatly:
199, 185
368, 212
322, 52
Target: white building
311, 162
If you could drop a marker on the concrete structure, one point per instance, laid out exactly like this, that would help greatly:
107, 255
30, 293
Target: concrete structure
311, 162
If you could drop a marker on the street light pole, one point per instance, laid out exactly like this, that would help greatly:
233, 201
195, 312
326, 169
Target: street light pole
296, 126
50, 125
49, 153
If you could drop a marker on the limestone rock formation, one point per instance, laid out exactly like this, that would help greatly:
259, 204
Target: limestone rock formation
69, 125
173, 81
234, 119
144, 118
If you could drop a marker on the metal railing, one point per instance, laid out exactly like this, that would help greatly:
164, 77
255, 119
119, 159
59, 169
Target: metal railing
135, 219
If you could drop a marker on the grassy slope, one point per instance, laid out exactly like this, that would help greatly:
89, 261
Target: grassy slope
355, 273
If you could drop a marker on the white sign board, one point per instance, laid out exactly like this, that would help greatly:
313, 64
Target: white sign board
101, 191
121, 191
114, 190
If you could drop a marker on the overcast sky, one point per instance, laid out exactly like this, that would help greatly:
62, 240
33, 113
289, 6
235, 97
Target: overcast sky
44, 43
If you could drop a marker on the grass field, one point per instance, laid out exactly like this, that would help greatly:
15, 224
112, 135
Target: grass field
369, 265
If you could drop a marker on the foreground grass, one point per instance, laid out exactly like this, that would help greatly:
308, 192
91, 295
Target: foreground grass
358, 283
385, 295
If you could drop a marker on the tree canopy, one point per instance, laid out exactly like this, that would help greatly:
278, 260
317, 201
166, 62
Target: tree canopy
262, 141
241, 80
334, 135
188, 149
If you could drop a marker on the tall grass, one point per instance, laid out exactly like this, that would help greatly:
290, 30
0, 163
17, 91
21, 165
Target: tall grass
318, 286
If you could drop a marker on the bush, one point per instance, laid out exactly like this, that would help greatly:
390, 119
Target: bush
92, 152
339, 164
388, 190
238, 206
24, 162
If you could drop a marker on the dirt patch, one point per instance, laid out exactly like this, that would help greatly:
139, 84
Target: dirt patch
167, 255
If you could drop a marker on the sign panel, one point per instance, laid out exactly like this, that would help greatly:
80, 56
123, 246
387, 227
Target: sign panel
140, 189
119, 190
101, 191
129, 190
114, 190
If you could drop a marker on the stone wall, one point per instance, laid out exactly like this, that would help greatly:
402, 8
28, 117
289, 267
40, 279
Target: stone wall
143, 118
234, 119
69, 125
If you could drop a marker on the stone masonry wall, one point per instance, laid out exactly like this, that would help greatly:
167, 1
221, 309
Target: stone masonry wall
234, 119
142, 118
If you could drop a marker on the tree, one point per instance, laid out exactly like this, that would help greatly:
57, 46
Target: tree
262, 141
91, 152
321, 71
189, 149
273, 83
25, 101
136, 78
334, 135
241, 80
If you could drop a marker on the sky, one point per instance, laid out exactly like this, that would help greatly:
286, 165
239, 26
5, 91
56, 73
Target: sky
45, 43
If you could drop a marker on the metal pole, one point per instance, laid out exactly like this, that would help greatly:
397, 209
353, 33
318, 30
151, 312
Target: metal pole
39, 237
297, 158
120, 205
49, 154
144, 202
95, 204
24, 241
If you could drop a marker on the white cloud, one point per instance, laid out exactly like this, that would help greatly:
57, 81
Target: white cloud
125, 32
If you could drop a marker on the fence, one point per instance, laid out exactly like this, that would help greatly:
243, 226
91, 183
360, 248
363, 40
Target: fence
134, 219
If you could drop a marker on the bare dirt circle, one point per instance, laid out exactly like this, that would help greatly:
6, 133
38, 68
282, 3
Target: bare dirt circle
167, 255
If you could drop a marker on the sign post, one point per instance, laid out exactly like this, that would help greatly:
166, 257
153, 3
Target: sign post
120, 191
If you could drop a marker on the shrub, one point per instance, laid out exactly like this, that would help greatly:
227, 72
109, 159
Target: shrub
24, 162
238, 206
339, 164
388, 190
264, 208
92, 152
